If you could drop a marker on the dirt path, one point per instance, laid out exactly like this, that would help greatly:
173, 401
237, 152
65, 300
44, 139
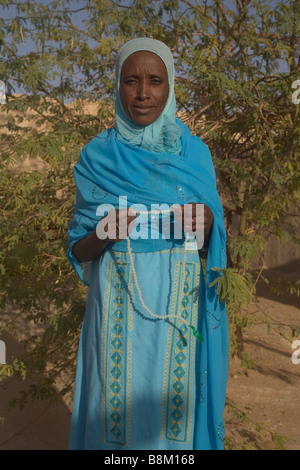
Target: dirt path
269, 392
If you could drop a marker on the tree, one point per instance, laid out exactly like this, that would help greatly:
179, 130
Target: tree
235, 68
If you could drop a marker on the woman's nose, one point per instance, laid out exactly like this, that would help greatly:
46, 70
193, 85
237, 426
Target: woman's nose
143, 90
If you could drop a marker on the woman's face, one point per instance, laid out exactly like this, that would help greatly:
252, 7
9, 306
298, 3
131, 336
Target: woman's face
144, 87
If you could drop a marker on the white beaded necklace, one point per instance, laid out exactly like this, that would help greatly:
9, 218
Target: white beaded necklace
152, 314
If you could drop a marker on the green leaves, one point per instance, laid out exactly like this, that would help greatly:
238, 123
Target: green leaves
246, 247
232, 287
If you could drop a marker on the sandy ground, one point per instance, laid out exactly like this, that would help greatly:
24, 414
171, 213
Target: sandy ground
268, 392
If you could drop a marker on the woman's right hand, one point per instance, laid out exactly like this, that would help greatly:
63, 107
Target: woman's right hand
113, 227
116, 225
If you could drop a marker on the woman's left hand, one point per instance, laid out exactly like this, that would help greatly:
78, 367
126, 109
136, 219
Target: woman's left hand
193, 218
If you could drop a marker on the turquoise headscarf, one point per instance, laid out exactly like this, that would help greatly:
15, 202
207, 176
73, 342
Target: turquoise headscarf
163, 135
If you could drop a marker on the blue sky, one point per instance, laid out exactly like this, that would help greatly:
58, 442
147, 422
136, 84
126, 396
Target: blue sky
30, 46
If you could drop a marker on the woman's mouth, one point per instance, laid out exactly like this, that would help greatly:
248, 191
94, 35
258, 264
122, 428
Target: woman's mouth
142, 109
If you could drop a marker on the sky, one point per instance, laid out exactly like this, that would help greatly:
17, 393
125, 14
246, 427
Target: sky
30, 46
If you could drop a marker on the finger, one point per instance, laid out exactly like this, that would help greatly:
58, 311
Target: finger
132, 215
178, 212
131, 212
126, 218
194, 218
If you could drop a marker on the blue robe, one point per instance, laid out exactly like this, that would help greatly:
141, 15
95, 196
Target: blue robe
141, 382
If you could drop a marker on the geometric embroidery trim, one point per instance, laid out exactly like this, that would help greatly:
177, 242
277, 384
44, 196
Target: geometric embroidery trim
116, 356
179, 364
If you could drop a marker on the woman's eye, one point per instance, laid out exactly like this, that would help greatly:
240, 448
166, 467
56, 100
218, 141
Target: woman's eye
134, 81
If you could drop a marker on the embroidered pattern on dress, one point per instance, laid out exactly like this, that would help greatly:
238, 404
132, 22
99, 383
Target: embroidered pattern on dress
212, 321
116, 357
179, 364
203, 387
185, 199
98, 193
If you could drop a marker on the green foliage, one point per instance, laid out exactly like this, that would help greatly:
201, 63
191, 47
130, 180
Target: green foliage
235, 290
232, 288
292, 288
235, 67
246, 247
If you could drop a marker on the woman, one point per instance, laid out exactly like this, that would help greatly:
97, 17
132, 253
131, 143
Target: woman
143, 381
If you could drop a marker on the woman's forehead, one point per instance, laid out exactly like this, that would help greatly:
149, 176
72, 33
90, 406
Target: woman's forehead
144, 61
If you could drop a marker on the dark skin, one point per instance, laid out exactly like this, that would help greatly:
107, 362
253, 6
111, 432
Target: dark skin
144, 90
91, 246
144, 87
